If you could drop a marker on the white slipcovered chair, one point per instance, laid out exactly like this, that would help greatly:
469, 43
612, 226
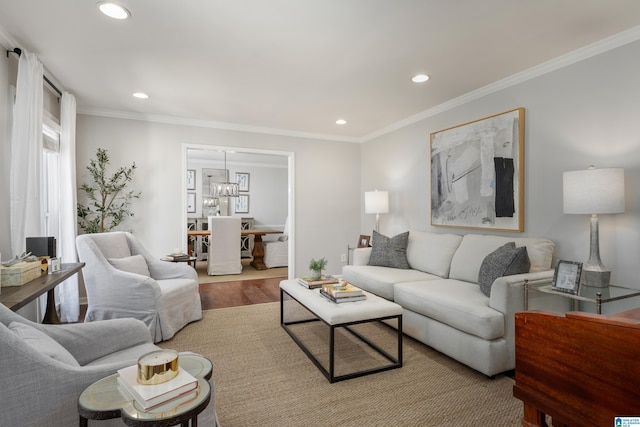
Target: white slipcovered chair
46, 367
123, 280
224, 246
276, 253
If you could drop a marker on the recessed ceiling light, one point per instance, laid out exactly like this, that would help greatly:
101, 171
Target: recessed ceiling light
140, 95
420, 78
341, 122
113, 10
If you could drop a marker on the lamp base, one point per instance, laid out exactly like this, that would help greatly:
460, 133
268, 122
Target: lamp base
596, 279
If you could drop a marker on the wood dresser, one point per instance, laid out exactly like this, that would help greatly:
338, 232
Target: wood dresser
581, 369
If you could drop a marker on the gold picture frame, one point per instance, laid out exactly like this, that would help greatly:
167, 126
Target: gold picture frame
477, 174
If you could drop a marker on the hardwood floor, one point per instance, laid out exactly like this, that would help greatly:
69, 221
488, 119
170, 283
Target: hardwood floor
242, 292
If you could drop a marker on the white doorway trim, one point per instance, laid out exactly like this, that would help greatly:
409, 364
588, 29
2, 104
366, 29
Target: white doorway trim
290, 190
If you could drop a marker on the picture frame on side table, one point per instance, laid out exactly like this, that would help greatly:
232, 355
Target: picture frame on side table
363, 241
242, 203
477, 174
191, 202
566, 277
242, 178
191, 179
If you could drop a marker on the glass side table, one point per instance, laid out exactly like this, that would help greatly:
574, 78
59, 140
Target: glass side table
102, 400
597, 296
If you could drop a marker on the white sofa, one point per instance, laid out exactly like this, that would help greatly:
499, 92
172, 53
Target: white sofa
443, 304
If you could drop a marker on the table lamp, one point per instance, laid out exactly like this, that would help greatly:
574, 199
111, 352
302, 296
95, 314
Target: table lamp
594, 191
376, 202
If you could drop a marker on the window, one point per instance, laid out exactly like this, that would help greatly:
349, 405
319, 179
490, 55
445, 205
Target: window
51, 175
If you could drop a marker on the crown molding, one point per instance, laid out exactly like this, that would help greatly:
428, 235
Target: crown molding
571, 58
214, 125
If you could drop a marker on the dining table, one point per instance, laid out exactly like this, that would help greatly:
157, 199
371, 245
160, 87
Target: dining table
258, 248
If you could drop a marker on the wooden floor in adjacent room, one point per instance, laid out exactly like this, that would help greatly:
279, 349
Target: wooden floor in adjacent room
241, 292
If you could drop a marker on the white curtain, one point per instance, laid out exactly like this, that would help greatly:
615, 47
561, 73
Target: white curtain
26, 155
67, 292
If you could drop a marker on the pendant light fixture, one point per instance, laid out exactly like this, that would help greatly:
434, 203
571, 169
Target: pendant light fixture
225, 189
211, 202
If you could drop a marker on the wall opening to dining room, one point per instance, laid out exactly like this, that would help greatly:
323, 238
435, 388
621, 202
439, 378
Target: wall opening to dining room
266, 178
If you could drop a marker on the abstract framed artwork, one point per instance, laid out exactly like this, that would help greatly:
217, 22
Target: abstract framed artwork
242, 203
191, 202
242, 178
477, 174
191, 179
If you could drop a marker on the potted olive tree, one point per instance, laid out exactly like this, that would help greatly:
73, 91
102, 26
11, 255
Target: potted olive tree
108, 201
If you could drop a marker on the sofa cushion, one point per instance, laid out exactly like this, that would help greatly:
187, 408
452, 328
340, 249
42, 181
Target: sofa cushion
42, 343
432, 252
474, 248
456, 303
132, 264
380, 280
507, 260
389, 251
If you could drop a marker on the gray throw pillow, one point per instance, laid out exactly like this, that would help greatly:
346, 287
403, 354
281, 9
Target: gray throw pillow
389, 251
507, 260
131, 264
42, 343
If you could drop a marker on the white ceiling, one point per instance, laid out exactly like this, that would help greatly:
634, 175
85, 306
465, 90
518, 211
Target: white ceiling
295, 66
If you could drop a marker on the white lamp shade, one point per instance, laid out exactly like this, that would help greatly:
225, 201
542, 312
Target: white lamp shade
376, 202
593, 191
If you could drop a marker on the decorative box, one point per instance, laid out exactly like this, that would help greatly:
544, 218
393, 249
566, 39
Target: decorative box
20, 273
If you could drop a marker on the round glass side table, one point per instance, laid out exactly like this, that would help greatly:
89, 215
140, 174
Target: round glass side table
102, 400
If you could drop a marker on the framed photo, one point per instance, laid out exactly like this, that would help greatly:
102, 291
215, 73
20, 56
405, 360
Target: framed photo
242, 203
477, 173
191, 179
566, 278
363, 241
191, 202
242, 178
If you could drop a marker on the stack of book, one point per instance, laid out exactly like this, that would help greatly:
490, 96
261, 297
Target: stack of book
177, 257
310, 283
342, 292
180, 389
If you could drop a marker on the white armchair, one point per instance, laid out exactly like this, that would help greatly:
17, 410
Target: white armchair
224, 246
46, 367
123, 280
276, 253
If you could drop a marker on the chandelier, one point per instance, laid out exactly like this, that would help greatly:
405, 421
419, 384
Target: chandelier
210, 201
225, 189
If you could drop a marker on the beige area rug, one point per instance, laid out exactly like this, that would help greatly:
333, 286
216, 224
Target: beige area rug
262, 378
248, 273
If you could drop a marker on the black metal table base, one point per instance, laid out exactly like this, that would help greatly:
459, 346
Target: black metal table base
396, 362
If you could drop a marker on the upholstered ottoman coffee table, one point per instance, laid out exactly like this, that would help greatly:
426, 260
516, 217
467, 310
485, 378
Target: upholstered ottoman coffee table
344, 315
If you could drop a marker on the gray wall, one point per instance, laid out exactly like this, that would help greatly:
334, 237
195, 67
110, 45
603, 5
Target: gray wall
585, 113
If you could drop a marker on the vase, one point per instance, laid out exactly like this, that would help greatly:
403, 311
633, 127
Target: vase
316, 275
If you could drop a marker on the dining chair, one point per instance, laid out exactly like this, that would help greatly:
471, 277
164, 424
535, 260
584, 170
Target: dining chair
224, 246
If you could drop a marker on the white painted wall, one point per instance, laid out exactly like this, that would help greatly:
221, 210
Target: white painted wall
586, 113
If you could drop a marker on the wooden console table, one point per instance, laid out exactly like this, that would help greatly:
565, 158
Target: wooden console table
579, 368
16, 297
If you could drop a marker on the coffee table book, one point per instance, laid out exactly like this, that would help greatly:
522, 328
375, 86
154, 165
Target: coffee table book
151, 396
307, 282
342, 299
342, 290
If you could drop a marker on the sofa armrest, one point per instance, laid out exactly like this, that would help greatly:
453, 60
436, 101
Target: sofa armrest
507, 292
90, 341
361, 256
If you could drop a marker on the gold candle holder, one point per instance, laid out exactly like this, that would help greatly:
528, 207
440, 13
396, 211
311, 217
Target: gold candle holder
157, 367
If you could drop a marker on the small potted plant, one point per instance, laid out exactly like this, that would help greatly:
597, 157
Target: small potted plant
316, 267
